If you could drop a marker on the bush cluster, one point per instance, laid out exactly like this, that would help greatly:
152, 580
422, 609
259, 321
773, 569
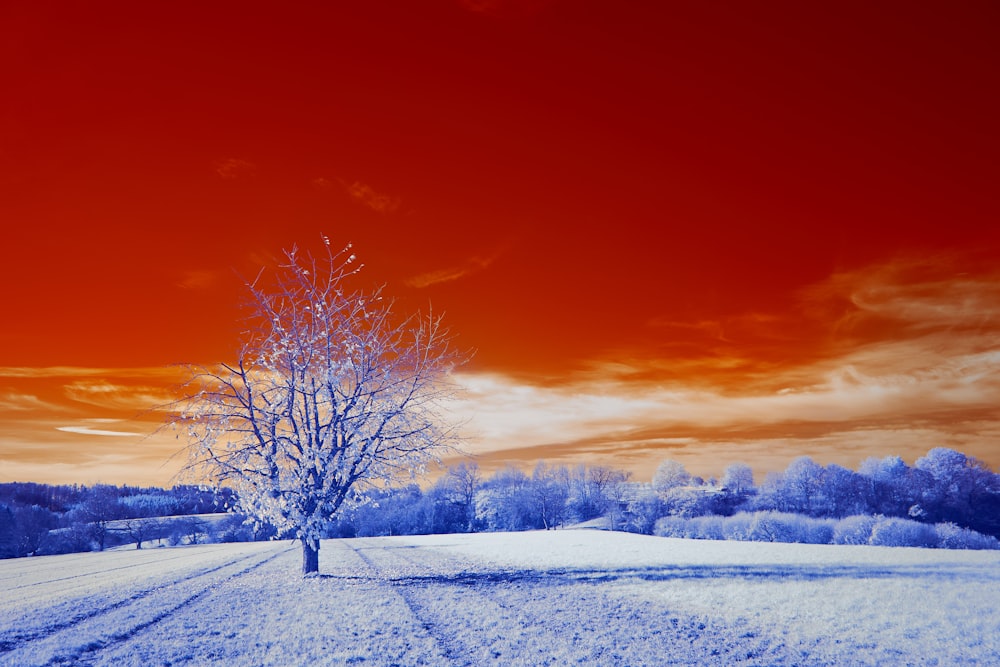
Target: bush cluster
770, 526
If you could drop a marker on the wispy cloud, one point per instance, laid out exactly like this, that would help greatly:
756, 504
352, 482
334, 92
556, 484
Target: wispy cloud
919, 293
19, 402
902, 356
888, 359
86, 430
83, 454
232, 168
116, 396
43, 372
49, 412
367, 196
468, 267
504, 8
198, 279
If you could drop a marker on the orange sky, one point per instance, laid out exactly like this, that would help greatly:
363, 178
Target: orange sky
713, 232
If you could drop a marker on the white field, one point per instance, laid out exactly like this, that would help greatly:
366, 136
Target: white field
570, 597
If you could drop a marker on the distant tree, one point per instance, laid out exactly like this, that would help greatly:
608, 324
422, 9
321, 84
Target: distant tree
8, 533
617, 491
688, 501
71, 539
100, 507
644, 507
738, 479
332, 392
32, 525
669, 475
963, 491
803, 486
506, 502
845, 492
592, 490
151, 503
444, 509
464, 481
894, 488
549, 492
142, 530
193, 529
799, 489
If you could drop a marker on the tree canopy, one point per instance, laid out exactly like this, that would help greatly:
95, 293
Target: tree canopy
331, 392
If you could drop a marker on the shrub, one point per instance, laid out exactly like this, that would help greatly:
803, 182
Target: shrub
708, 527
854, 530
894, 532
770, 526
951, 536
671, 526
786, 527
737, 527
697, 528
819, 531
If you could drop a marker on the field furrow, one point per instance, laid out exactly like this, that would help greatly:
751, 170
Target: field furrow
80, 567
543, 598
484, 616
63, 632
274, 616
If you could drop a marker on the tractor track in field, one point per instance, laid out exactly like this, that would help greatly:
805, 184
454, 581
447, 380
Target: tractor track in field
452, 648
25, 647
97, 573
510, 603
463, 638
13, 640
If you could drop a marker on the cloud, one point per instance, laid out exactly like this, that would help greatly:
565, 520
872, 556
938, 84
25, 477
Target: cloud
86, 430
618, 421
888, 359
918, 294
27, 372
166, 373
504, 8
198, 279
232, 168
48, 413
19, 402
446, 275
367, 196
713, 329
56, 456
115, 396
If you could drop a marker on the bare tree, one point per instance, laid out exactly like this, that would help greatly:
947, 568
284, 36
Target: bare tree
332, 392
141, 530
550, 490
99, 509
465, 481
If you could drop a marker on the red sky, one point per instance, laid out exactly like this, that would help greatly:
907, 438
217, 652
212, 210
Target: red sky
713, 232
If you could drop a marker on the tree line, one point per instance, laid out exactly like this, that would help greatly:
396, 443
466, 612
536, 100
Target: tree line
946, 499
40, 519
957, 494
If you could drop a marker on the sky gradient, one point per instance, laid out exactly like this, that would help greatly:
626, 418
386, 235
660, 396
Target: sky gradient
711, 232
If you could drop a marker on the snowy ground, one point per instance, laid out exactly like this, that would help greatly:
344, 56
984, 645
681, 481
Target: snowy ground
572, 597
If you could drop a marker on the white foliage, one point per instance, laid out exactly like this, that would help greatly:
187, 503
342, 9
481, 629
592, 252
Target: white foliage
331, 393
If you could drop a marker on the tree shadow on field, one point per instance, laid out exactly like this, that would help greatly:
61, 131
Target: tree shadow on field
748, 573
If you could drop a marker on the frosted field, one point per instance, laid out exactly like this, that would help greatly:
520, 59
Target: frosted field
570, 597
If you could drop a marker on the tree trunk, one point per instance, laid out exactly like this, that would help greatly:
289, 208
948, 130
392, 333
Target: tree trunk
310, 556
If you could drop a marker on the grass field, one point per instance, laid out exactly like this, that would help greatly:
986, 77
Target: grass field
569, 597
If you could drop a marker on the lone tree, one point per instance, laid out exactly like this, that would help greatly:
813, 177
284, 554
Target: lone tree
332, 392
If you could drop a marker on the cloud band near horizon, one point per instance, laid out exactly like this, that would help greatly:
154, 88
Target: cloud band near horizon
903, 356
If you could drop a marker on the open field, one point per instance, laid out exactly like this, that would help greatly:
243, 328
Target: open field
544, 598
